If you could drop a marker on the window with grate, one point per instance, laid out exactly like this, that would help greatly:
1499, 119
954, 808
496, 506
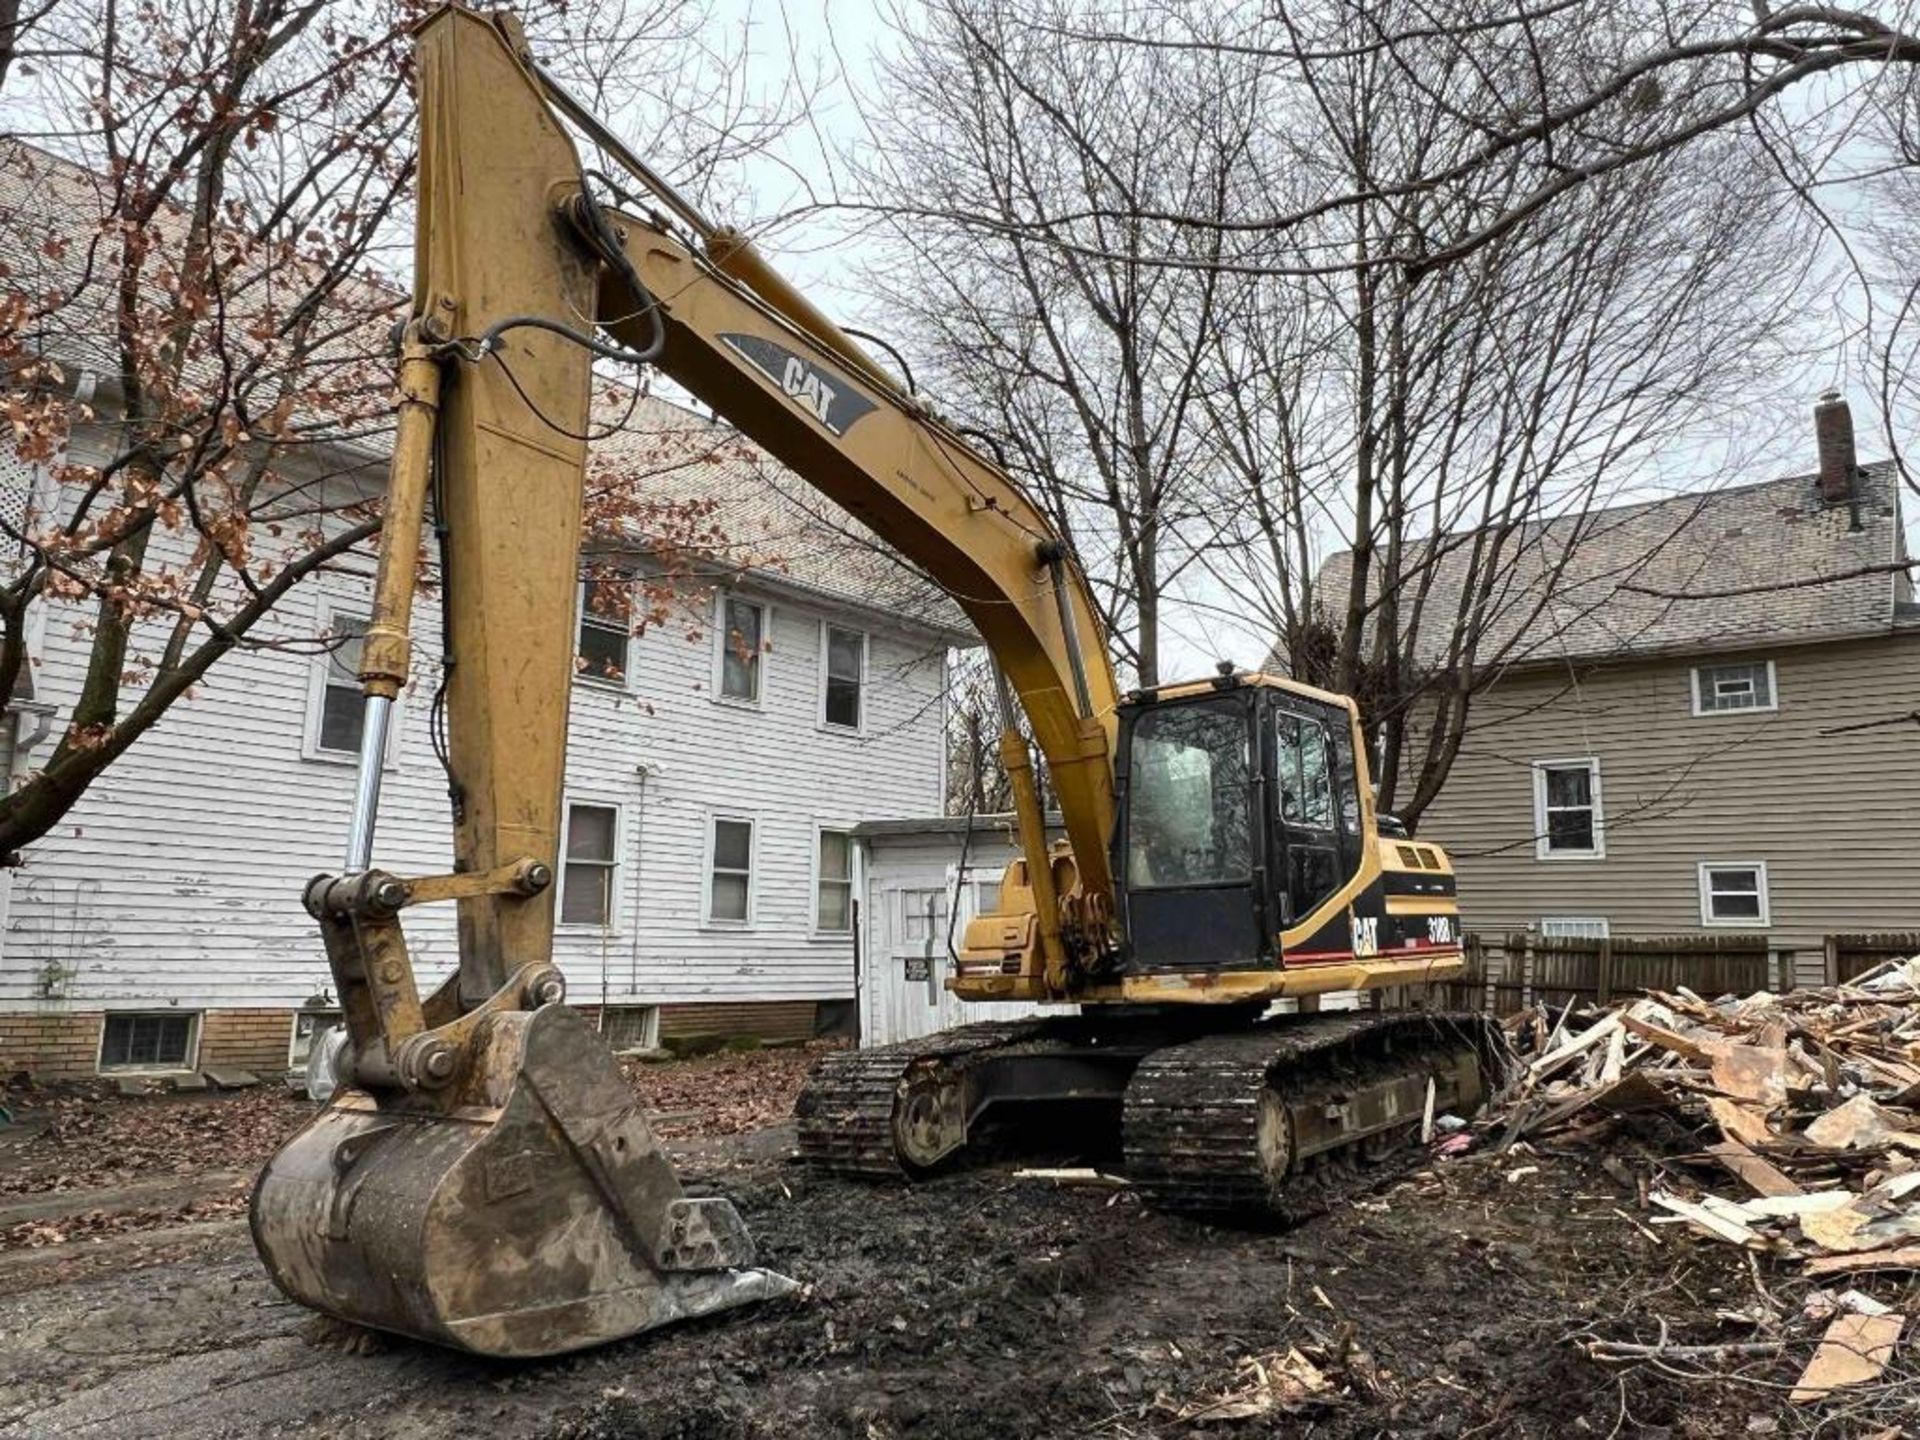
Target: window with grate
1720, 689
161, 1041
631, 1028
1574, 927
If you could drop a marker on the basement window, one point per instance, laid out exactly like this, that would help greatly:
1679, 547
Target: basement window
162, 1041
629, 1029
1721, 689
1573, 927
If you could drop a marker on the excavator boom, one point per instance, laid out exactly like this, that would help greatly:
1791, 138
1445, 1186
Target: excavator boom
484, 1178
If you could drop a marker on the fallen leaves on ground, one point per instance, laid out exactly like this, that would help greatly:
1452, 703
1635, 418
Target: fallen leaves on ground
724, 1094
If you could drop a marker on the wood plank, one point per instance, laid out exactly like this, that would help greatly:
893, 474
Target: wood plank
1854, 1350
1763, 1178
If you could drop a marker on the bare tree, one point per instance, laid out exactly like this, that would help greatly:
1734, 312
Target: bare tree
195, 316
1081, 364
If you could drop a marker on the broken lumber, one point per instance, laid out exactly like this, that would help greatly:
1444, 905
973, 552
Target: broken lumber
1854, 1350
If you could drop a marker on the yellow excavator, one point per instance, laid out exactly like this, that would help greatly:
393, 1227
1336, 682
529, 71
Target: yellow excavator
484, 1177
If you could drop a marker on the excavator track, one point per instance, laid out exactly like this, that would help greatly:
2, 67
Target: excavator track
1216, 1126
846, 1112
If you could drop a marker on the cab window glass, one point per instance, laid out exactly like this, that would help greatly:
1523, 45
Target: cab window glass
1187, 801
1305, 764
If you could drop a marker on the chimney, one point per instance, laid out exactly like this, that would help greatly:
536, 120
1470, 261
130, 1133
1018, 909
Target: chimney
1833, 436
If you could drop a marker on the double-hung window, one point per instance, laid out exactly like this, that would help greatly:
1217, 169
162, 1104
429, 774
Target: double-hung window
337, 713
843, 694
743, 625
601, 646
1733, 892
730, 872
1567, 819
833, 900
1724, 689
591, 864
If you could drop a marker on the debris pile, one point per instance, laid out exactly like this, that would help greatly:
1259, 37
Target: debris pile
1788, 1125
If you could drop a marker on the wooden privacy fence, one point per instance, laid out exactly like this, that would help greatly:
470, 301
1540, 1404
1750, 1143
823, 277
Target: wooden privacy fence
1851, 955
1509, 973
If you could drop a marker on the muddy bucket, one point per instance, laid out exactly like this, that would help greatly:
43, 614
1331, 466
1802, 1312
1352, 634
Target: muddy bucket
524, 1210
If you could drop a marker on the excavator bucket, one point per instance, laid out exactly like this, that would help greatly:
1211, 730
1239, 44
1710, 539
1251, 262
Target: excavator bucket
525, 1210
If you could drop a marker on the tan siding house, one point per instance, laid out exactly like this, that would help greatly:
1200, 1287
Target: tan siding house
1827, 824
1703, 722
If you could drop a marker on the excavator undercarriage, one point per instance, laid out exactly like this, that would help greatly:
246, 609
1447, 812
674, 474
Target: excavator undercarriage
1221, 1115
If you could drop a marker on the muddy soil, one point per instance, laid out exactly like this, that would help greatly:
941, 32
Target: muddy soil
977, 1305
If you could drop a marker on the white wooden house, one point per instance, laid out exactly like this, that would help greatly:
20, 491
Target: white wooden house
708, 862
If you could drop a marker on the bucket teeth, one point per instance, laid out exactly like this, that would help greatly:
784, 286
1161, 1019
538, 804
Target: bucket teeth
532, 1221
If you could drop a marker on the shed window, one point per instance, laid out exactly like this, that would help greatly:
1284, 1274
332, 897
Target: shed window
592, 857
1718, 689
730, 883
147, 1042
1567, 821
1733, 892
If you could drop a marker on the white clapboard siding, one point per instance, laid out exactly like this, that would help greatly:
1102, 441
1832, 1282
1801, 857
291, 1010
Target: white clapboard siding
177, 878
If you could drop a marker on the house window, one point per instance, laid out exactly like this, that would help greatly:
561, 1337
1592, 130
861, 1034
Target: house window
1718, 689
1567, 822
592, 856
846, 670
343, 709
1573, 927
602, 646
630, 1028
161, 1041
1733, 892
833, 904
742, 637
730, 877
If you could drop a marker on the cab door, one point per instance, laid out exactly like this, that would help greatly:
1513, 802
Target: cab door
1305, 811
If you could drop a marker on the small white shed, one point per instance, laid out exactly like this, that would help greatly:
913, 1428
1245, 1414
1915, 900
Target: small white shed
924, 879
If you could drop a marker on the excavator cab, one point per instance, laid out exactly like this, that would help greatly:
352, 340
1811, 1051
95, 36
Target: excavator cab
1240, 819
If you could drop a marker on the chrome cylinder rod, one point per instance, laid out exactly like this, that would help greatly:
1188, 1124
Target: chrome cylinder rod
366, 790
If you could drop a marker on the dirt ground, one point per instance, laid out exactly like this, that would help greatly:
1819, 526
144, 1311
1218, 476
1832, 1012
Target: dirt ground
1453, 1303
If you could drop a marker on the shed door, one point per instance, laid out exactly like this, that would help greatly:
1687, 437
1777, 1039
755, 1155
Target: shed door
910, 996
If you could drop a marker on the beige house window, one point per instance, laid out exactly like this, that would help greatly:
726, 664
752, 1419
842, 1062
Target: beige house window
1734, 892
1573, 927
1725, 689
1567, 819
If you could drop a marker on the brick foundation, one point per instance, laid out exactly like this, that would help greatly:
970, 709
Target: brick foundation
65, 1044
49, 1044
253, 1040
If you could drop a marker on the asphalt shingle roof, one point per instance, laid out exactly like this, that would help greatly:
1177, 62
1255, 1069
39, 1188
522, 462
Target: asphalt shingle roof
772, 522
1649, 578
